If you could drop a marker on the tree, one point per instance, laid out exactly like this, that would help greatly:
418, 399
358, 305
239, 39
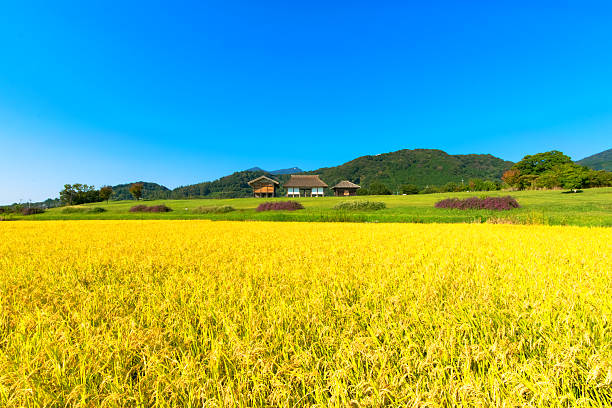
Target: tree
74, 194
377, 188
409, 189
136, 190
105, 193
67, 194
511, 177
573, 176
599, 178
541, 162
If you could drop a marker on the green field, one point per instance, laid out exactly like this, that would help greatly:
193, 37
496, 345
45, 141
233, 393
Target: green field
593, 207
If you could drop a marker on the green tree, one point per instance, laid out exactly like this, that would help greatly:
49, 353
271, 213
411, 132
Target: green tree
67, 194
136, 191
409, 189
378, 188
74, 194
541, 162
573, 176
105, 193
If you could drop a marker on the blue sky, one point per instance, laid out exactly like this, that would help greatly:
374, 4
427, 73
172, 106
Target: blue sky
102, 92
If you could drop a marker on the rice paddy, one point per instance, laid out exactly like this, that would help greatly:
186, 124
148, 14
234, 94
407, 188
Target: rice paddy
210, 314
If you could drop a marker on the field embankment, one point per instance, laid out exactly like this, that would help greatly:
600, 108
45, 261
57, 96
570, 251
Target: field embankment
593, 207
175, 313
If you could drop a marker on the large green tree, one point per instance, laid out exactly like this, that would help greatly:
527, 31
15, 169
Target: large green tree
541, 162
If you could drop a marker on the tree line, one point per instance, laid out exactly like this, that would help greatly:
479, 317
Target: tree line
75, 194
552, 170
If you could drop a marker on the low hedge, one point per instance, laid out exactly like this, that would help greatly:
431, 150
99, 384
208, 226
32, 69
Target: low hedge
479, 203
219, 209
280, 206
74, 210
360, 205
152, 209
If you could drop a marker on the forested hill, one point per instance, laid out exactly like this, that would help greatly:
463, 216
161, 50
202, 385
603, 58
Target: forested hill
232, 186
150, 191
599, 161
421, 167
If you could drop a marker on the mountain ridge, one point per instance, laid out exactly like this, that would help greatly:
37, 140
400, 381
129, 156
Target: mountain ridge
598, 161
290, 170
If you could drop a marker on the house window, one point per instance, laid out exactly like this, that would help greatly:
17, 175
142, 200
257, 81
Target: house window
317, 191
294, 191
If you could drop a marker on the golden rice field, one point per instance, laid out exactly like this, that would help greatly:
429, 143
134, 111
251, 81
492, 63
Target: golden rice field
211, 314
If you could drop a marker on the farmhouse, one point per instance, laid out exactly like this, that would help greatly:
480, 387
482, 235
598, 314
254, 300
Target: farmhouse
345, 188
305, 186
263, 187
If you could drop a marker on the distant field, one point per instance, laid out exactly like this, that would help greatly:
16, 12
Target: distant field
593, 207
236, 314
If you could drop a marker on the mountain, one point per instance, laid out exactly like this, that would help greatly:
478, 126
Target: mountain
149, 191
421, 167
291, 170
599, 161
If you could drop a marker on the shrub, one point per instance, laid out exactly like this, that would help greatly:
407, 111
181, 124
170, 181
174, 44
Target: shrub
72, 210
409, 189
218, 209
139, 208
279, 206
476, 203
360, 205
153, 208
32, 211
96, 210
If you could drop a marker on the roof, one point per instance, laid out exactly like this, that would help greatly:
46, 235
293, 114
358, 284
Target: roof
305, 181
346, 184
262, 178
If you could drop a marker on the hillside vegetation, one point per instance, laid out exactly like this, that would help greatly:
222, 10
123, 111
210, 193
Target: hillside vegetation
419, 167
150, 191
599, 161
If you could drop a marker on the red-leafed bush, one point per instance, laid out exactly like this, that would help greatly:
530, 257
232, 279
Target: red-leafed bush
476, 203
280, 205
153, 208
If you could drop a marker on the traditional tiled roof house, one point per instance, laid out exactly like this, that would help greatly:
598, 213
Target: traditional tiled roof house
345, 188
305, 186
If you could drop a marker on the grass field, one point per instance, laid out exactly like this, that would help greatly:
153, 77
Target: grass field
593, 207
175, 313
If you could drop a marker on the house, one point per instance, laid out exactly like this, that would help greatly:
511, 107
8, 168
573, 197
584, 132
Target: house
345, 188
301, 185
263, 187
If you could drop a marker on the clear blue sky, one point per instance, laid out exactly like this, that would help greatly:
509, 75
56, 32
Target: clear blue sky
103, 92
